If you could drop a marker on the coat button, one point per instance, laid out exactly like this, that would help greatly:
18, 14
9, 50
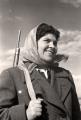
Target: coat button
20, 91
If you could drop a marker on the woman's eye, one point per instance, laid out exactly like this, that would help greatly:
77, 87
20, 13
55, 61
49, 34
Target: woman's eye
55, 43
47, 40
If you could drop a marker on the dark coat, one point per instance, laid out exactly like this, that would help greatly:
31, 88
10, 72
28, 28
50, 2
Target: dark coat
60, 99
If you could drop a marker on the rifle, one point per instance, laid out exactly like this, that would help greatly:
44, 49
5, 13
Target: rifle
17, 51
26, 72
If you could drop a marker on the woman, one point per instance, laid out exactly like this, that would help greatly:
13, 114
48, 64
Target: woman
38, 88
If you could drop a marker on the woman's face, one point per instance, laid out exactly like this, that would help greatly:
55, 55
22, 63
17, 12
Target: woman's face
47, 47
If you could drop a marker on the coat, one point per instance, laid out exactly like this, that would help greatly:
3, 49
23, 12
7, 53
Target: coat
60, 98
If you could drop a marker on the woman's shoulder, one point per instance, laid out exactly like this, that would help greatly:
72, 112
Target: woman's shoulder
11, 75
63, 73
12, 71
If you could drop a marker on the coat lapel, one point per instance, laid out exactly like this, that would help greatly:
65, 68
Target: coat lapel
65, 90
64, 86
46, 90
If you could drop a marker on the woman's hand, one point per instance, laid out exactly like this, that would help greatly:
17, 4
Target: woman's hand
34, 109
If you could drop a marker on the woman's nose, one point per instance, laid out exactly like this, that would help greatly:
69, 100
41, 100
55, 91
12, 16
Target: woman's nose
51, 44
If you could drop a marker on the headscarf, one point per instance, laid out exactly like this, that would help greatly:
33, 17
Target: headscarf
30, 52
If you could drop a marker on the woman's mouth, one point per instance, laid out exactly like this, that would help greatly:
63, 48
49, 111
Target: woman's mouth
50, 51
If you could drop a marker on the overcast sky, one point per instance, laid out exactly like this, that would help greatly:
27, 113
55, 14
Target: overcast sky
65, 15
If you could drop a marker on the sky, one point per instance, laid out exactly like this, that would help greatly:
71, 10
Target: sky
65, 15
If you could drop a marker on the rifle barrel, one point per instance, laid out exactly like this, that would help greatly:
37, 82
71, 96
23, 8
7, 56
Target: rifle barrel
17, 51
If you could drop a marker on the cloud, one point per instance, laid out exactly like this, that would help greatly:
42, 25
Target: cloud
9, 16
70, 42
6, 59
18, 18
13, 18
75, 3
77, 81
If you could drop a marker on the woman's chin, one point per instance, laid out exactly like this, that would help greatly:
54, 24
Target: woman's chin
49, 61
